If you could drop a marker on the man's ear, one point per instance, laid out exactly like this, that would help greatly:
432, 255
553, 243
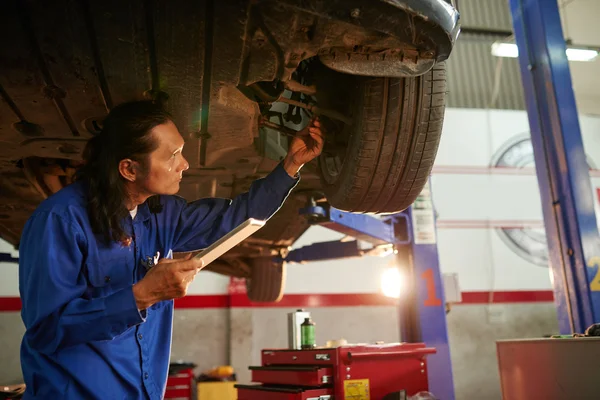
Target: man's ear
128, 169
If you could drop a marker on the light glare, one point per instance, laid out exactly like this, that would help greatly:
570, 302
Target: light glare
392, 283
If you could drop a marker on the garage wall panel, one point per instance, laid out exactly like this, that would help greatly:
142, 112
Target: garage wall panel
483, 262
11, 332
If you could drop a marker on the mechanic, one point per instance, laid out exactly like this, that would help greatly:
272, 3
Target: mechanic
97, 301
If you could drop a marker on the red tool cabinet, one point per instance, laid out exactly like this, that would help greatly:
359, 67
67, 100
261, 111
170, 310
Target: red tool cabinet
180, 386
360, 372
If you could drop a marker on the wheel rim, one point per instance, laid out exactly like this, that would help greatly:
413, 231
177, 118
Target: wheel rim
331, 160
333, 167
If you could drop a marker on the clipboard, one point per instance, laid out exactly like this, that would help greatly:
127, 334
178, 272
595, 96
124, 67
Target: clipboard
227, 242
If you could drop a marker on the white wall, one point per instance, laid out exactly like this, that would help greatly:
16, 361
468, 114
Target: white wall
470, 198
352, 275
9, 273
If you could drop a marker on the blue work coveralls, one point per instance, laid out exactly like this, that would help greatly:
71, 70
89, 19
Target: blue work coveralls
85, 338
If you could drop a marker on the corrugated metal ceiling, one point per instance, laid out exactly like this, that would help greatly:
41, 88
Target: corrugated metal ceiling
473, 73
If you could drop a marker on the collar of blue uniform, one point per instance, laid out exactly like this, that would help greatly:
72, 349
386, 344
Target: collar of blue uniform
143, 213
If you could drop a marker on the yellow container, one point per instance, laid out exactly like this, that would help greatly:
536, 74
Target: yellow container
217, 391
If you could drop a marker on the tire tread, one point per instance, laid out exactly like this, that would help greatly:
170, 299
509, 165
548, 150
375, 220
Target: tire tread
399, 126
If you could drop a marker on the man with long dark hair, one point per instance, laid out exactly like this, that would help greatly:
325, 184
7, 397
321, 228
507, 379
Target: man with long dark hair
97, 303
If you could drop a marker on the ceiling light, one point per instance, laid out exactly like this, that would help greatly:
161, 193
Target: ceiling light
574, 54
503, 49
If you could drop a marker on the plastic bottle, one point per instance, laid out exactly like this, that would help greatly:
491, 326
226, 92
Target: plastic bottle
307, 333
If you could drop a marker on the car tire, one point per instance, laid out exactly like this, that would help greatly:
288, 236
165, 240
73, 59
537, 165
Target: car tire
391, 145
267, 280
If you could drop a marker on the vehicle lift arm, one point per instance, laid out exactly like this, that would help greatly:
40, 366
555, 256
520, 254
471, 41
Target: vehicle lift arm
8, 258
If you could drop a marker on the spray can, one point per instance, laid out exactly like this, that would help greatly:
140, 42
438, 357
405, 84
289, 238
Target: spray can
307, 333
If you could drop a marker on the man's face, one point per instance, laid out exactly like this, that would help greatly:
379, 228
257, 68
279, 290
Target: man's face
166, 164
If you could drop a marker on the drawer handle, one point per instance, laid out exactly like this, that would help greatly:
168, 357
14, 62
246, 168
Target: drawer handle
401, 353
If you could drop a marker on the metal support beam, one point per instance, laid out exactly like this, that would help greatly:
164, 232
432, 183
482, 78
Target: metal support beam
565, 189
8, 258
388, 230
368, 228
423, 311
324, 251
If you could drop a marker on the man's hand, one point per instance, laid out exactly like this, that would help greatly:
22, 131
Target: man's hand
169, 279
304, 147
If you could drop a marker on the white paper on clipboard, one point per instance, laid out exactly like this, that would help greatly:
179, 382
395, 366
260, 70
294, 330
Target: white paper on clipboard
227, 242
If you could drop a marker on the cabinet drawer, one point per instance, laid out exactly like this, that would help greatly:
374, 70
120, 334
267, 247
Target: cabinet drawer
260, 392
293, 375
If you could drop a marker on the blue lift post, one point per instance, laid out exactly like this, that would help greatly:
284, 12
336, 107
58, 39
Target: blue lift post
423, 319
562, 171
421, 306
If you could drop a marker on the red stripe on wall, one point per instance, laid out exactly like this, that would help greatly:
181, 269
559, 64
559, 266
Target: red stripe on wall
319, 300
10, 303
327, 300
203, 301
517, 296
